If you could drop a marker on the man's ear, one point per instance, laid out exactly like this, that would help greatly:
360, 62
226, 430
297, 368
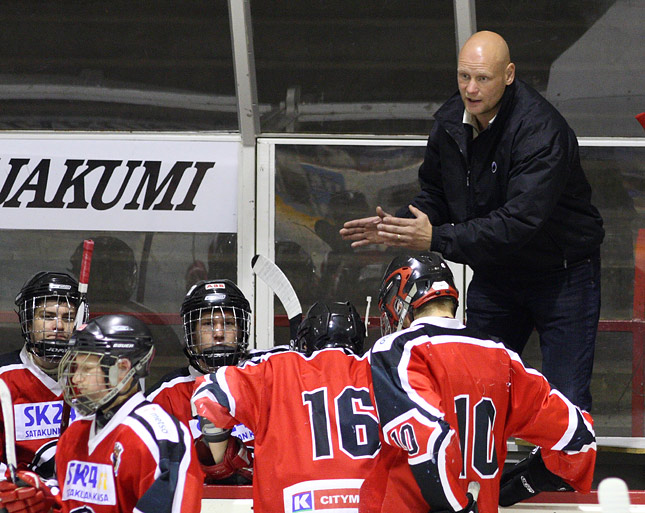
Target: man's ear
509, 74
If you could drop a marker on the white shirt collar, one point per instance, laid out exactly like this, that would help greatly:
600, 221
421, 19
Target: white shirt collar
469, 119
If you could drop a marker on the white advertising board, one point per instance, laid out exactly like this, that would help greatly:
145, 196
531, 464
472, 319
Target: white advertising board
119, 183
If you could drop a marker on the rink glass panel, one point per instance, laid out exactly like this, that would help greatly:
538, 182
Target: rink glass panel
318, 187
144, 274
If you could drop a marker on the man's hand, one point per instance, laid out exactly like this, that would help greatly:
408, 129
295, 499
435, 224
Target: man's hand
364, 231
28, 495
405, 232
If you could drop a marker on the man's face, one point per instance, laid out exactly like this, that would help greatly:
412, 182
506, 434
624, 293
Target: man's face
53, 321
482, 83
88, 377
216, 327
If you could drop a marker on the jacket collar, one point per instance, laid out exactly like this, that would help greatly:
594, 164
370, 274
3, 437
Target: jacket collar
451, 114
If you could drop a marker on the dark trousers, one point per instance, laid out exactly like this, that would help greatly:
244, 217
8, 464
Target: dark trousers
563, 305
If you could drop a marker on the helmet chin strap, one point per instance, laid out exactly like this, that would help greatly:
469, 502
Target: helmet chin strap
406, 306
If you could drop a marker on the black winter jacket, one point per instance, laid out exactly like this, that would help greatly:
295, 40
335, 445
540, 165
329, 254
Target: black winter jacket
514, 198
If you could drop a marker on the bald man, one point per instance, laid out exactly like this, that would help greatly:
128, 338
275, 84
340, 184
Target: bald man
502, 190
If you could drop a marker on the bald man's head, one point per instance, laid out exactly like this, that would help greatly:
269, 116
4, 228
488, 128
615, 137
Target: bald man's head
483, 72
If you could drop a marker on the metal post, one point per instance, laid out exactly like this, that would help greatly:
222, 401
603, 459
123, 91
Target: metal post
249, 120
465, 21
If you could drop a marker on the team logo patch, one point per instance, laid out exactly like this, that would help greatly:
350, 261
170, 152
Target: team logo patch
89, 482
115, 458
35, 421
328, 495
59, 286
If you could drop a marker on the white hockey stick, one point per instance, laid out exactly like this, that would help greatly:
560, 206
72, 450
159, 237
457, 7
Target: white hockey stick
276, 280
9, 432
613, 495
367, 312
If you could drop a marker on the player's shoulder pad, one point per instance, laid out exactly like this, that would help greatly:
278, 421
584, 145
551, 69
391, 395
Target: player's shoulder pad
258, 355
182, 372
163, 425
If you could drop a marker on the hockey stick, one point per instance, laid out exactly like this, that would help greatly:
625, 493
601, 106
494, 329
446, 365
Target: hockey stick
613, 495
276, 280
9, 432
83, 282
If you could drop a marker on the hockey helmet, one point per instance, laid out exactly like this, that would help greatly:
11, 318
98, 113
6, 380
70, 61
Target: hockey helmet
410, 282
99, 349
217, 321
47, 305
336, 325
114, 269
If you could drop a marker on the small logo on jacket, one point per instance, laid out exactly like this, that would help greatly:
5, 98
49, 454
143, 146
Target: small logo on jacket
493, 167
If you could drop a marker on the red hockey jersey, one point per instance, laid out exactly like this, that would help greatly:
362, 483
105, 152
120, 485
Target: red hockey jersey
173, 393
38, 407
447, 402
316, 431
142, 458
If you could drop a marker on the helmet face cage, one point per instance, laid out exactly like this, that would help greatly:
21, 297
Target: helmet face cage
47, 307
338, 325
411, 282
217, 324
216, 336
90, 379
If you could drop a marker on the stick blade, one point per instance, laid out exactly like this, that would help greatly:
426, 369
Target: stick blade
276, 280
613, 495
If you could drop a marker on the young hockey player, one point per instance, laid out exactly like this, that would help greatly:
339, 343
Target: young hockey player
217, 318
449, 398
47, 306
321, 399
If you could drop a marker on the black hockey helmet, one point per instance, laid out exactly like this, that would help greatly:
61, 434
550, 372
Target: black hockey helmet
58, 292
336, 325
105, 342
410, 282
114, 269
217, 322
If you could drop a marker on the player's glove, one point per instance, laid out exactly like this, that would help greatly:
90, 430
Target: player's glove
28, 495
471, 507
528, 478
237, 460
